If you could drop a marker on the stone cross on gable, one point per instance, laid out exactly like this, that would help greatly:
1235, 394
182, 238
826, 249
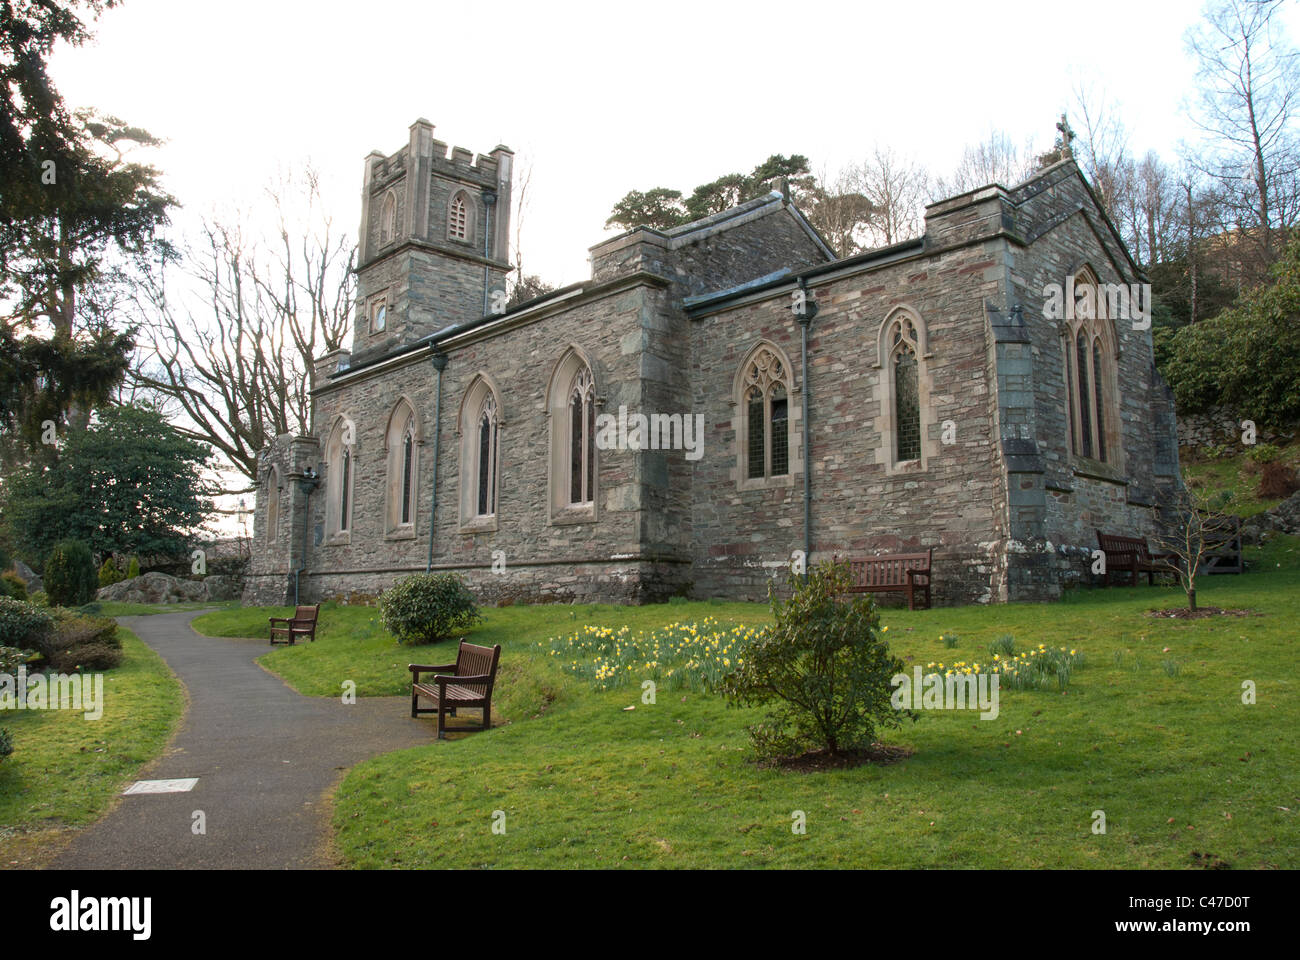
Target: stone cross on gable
1067, 135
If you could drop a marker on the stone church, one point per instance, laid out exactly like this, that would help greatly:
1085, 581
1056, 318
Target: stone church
920, 395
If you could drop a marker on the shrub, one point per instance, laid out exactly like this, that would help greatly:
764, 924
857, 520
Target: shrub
11, 658
133, 568
5, 561
70, 575
6, 743
109, 574
23, 625
87, 656
1277, 482
40, 598
6, 589
823, 666
1262, 453
428, 607
15, 584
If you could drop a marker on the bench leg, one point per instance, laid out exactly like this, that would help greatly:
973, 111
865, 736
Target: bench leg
487, 718
415, 702
442, 720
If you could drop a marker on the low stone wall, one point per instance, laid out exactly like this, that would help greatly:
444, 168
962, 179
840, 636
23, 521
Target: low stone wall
1222, 427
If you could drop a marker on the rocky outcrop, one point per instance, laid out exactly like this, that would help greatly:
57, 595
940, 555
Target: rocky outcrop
1284, 518
29, 577
157, 587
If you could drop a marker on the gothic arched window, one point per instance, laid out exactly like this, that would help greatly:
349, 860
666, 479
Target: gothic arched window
1090, 373
907, 390
480, 455
765, 405
340, 462
571, 400
582, 438
402, 445
458, 218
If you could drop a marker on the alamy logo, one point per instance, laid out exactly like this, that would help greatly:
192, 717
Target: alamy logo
1088, 301
56, 691
76, 913
956, 691
659, 431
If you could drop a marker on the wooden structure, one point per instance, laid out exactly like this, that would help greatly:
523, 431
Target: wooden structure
908, 573
1130, 556
301, 624
465, 683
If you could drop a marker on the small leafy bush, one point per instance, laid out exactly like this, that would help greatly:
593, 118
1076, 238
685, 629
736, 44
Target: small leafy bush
823, 667
70, 575
23, 625
13, 584
133, 568
109, 574
40, 598
1263, 453
428, 607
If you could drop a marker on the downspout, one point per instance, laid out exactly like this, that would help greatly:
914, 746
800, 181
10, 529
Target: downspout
310, 480
489, 201
439, 364
805, 310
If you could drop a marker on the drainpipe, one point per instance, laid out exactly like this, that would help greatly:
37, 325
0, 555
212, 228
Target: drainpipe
310, 479
489, 200
439, 364
805, 311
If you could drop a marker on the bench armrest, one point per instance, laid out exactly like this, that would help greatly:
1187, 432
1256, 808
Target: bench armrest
916, 573
280, 619
441, 678
419, 668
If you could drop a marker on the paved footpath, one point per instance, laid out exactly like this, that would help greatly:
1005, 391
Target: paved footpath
265, 757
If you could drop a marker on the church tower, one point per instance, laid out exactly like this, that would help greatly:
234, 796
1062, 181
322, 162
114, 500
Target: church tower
435, 240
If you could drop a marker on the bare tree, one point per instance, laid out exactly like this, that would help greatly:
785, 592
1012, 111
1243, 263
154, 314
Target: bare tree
896, 187
1190, 531
840, 212
993, 160
1249, 79
1101, 150
235, 355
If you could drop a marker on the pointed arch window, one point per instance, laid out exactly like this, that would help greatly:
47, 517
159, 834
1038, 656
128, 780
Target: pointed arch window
582, 439
765, 401
573, 483
341, 464
458, 218
906, 390
402, 444
1090, 378
486, 487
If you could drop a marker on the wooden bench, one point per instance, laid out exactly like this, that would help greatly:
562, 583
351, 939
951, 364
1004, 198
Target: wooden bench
301, 624
465, 683
905, 572
1224, 553
1130, 555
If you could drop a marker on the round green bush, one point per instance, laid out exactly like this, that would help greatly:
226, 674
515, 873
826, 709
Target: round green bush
70, 575
14, 585
24, 625
428, 607
109, 574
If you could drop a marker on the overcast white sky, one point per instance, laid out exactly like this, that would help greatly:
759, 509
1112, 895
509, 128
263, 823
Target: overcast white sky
607, 97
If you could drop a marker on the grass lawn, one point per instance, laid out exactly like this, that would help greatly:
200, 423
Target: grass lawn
1156, 738
116, 608
1232, 483
66, 771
